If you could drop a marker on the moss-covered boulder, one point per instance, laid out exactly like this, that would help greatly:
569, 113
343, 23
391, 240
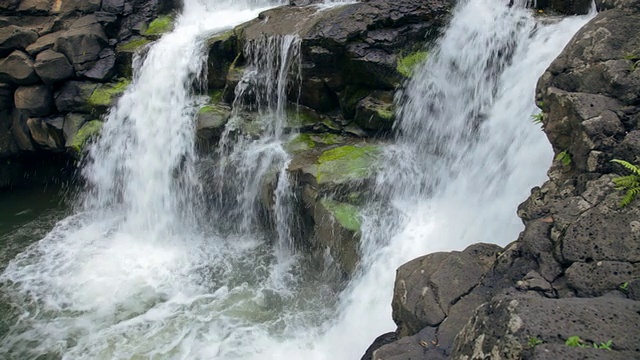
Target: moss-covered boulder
211, 121
223, 50
407, 64
348, 164
80, 139
105, 94
162, 24
337, 228
376, 113
124, 55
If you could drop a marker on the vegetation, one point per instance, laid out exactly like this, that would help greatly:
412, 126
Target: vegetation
576, 341
534, 341
407, 64
537, 118
133, 45
629, 183
564, 157
103, 95
347, 163
624, 286
86, 132
160, 25
346, 214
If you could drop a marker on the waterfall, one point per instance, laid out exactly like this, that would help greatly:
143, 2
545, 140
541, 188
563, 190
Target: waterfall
147, 269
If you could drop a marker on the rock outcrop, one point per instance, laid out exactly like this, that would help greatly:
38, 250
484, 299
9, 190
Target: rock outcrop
567, 287
56, 59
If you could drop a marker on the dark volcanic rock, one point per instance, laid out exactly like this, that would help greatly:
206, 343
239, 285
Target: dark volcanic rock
15, 38
47, 133
83, 43
18, 68
53, 67
73, 96
34, 100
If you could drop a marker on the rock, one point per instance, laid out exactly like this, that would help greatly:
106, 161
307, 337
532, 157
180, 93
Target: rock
380, 341
104, 68
53, 67
8, 146
113, 6
71, 125
596, 279
222, 52
74, 96
34, 100
9, 5
337, 228
6, 96
15, 38
423, 345
504, 326
17, 68
87, 132
568, 7
376, 112
44, 42
34, 6
82, 43
105, 95
160, 25
426, 288
20, 131
47, 133
211, 122
84, 6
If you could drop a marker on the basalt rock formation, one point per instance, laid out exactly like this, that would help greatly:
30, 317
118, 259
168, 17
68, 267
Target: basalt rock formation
568, 287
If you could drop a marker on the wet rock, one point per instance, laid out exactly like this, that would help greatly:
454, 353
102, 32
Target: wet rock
17, 68
71, 125
426, 288
6, 96
53, 67
47, 133
222, 52
87, 132
20, 131
34, 100
376, 112
211, 122
379, 342
15, 38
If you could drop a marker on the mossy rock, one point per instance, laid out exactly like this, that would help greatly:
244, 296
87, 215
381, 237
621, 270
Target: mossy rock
162, 24
376, 113
349, 99
88, 131
407, 64
132, 45
104, 95
347, 215
307, 141
348, 163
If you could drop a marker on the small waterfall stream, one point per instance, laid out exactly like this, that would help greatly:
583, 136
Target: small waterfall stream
146, 269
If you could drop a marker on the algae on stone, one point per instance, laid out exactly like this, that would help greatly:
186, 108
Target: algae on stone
348, 163
299, 143
407, 64
86, 132
160, 25
346, 215
104, 94
133, 45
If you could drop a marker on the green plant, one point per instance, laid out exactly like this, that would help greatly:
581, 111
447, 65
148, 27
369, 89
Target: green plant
533, 341
575, 341
537, 118
624, 286
564, 157
631, 57
604, 345
628, 183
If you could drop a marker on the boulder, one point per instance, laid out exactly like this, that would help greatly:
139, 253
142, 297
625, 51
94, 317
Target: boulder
6, 96
47, 133
74, 96
82, 43
44, 42
113, 6
423, 345
20, 131
84, 6
71, 125
104, 68
36, 100
53, 67
8, 5
8, 146
568, 7
513, 327
35, 7
211, 122
17, 68
15, 38
376, 112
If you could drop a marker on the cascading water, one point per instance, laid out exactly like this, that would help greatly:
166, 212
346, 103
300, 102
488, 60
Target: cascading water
136, 274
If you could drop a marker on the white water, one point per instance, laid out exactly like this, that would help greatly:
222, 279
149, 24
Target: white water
134, 276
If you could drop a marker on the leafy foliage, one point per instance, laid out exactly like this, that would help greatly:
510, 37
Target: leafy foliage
533, 341
628, 183
603, 345
564, 157
575, 341
537, 118
624, 286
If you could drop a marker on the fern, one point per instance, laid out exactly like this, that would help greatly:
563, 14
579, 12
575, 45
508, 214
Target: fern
537, 118
628, 183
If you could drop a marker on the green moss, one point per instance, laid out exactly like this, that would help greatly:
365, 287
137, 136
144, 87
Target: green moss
299, 143
407, 64
348, 163
86, 132
103, 95
213, 109
346, 214
133, 45
160, 25
385, 112
215, 96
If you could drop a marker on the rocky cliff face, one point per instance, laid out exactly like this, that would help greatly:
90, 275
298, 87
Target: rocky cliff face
569, 286
59, 65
